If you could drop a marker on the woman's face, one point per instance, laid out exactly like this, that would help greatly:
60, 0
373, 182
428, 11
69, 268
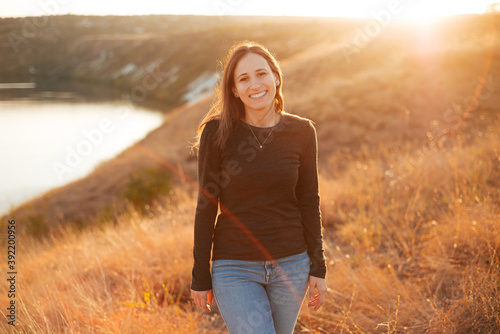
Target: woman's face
255, 83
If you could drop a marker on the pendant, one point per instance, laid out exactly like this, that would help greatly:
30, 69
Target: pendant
260, 146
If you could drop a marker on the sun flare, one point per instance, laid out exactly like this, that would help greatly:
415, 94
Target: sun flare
426, 11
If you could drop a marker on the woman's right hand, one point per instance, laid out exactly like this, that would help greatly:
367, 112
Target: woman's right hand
203, 299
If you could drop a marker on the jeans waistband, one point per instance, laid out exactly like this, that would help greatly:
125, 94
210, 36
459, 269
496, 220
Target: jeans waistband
279, 261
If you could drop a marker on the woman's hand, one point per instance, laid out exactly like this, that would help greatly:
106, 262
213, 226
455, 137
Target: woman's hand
203, 299
317, 291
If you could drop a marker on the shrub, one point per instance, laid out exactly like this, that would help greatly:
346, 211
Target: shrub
37, 225
147, 185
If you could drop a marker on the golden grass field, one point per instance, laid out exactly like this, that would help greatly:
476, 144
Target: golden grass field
409, 137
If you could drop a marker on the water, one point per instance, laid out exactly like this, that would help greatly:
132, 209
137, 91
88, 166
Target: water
55, 138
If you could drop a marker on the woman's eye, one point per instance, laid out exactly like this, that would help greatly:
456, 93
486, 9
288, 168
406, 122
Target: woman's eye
262, 74
243, 79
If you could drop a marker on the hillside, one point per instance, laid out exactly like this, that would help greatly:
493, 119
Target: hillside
409, 135
395, 88
123, 52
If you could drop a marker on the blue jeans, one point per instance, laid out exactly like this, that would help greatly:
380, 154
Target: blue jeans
260, 297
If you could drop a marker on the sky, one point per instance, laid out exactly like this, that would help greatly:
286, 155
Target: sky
403, 9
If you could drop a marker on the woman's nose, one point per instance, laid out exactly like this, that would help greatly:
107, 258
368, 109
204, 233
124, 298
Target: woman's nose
254, 83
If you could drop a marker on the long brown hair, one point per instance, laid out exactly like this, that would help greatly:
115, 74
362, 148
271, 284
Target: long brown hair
227, 108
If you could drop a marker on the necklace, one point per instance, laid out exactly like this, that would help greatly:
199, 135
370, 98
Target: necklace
269, 135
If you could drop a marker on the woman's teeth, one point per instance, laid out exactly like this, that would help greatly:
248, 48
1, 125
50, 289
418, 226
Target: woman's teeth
256, 96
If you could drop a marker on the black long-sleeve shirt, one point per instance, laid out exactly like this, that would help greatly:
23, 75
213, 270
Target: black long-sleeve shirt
268, 197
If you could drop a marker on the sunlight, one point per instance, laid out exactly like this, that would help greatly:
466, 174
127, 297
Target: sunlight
427, 12
422, 11
423, 19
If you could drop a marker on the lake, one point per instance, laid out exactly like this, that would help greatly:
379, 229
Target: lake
50, 138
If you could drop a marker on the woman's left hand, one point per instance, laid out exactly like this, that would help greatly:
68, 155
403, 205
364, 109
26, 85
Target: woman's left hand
317, 291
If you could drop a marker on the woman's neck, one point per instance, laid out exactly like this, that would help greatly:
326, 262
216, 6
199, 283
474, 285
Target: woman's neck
268, 119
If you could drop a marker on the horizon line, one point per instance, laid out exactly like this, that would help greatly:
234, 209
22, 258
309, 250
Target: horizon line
440, 16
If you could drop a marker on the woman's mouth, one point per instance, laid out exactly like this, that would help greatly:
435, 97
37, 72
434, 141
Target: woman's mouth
259, 95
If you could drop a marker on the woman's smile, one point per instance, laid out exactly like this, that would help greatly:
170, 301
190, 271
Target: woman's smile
258, 96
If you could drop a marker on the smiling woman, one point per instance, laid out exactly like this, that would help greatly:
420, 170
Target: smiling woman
266, 242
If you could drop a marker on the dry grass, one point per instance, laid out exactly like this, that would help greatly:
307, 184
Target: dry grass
129, 277
414, 242
410, 201
389, 91
411, 250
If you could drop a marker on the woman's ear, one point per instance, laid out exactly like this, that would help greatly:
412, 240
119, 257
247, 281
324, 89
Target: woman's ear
235, 92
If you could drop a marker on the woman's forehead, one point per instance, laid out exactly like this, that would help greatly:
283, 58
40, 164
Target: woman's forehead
250, 63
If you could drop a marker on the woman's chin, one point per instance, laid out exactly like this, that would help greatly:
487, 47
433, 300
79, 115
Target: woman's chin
259, 106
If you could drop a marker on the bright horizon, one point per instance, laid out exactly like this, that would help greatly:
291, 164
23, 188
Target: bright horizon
405, 9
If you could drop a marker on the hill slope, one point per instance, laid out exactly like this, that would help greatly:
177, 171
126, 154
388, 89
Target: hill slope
397, 87
409, 134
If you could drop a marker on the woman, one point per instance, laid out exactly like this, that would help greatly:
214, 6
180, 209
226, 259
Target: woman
258, 164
